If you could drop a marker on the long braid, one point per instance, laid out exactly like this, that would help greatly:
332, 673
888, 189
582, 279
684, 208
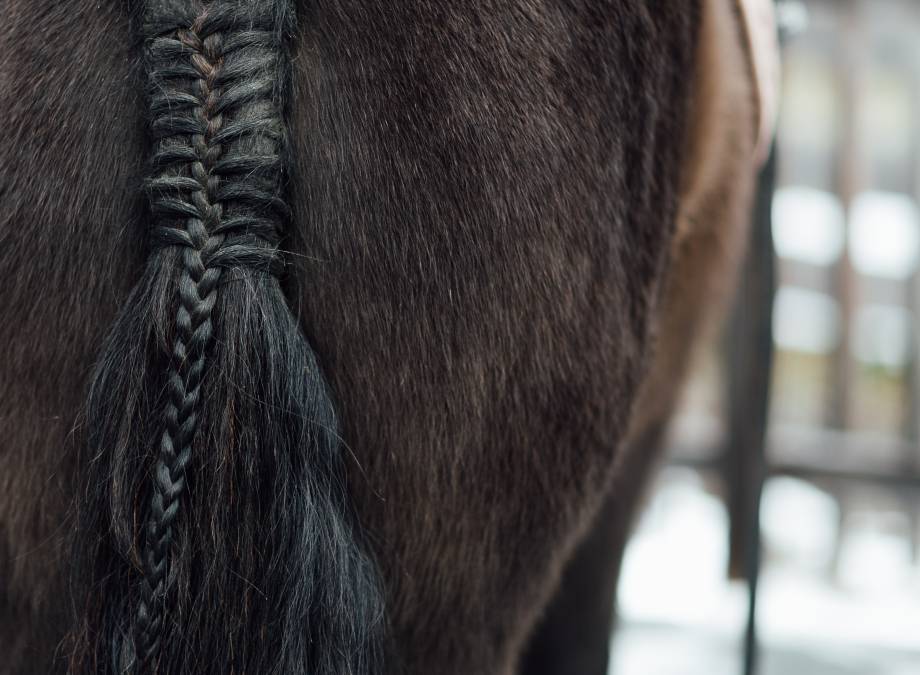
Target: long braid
201, 239
207, 383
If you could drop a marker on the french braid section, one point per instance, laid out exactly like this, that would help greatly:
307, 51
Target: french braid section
211, 87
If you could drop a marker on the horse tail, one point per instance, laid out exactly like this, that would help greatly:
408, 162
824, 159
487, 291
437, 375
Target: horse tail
216, 530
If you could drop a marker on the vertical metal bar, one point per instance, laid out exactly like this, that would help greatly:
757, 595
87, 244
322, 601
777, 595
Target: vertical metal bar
751, 359
751, 352
912, 404
851, 54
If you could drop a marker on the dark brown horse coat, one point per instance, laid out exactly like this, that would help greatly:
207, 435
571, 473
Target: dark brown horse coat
510, 219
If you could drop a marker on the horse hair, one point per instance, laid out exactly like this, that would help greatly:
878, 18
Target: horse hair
208, 415
483, 200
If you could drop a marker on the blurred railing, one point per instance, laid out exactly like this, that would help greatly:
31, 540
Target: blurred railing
843, 445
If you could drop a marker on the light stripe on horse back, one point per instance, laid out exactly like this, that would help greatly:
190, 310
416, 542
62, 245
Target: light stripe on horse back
208, 410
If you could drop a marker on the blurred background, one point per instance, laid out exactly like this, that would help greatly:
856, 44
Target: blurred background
831, 434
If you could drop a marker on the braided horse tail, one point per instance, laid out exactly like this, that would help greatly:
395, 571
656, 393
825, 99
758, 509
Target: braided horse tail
220, 539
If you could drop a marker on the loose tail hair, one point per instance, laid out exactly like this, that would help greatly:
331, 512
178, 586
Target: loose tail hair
216, 532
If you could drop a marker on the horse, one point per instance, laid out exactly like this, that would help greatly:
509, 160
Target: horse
339, 335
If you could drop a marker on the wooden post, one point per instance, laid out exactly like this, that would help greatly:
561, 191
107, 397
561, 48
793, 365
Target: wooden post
850, 57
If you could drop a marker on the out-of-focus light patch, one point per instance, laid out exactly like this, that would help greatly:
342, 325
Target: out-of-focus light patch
883, 334
809, 116
796, 609
656, 586
875, 557
887, 112
808, 225
805, 321
667, 650
680, 615
792, 17
799, 523
885, 234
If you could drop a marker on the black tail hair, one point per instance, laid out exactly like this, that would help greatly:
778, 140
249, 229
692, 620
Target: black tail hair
217, 535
